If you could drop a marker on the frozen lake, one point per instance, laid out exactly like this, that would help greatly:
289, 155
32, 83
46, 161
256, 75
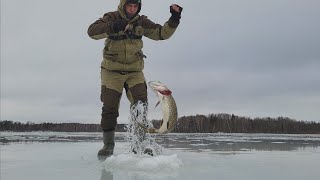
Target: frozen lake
52, 156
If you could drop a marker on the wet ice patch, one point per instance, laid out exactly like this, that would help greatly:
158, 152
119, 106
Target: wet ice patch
151, 166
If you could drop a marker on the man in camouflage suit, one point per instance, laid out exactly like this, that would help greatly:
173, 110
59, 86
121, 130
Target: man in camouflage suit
123, 62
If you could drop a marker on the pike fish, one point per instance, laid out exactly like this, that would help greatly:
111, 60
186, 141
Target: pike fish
169, 108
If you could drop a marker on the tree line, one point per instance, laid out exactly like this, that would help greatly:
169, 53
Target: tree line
211, 123
57, 127
227, 123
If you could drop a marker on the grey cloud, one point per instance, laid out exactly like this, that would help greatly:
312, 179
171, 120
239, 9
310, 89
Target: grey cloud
252, 58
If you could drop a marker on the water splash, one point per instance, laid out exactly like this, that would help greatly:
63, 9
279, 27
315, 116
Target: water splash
160, 167
137, 163
141, 142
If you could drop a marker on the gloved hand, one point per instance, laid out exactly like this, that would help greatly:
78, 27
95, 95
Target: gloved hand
175, 11
119, 25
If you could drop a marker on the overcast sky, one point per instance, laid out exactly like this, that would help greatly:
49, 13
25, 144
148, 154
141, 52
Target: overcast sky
255, 58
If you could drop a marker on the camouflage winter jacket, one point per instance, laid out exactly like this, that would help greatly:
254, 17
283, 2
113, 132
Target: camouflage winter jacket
123, 51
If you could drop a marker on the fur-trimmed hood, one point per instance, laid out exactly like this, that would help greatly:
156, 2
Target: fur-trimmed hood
121, 9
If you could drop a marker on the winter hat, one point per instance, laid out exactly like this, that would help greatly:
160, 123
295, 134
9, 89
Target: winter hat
133, 2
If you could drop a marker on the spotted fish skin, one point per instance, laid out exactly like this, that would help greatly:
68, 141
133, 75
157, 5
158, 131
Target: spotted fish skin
170, 114
169, 108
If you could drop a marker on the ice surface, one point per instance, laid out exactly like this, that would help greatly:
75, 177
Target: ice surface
71, 156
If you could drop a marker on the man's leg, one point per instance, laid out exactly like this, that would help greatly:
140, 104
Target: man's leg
111, 91
110, 109
110, 99
135, 94
136, 89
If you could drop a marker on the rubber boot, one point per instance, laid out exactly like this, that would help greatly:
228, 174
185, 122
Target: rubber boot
108, 141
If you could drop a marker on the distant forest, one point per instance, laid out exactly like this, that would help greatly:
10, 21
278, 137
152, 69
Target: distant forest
211, 123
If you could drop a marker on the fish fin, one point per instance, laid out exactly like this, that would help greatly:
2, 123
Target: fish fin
157, 104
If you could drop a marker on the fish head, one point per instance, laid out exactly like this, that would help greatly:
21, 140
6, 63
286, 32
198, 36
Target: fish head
159, 88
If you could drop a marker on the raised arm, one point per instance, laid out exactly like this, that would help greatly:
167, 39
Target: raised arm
158, 32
